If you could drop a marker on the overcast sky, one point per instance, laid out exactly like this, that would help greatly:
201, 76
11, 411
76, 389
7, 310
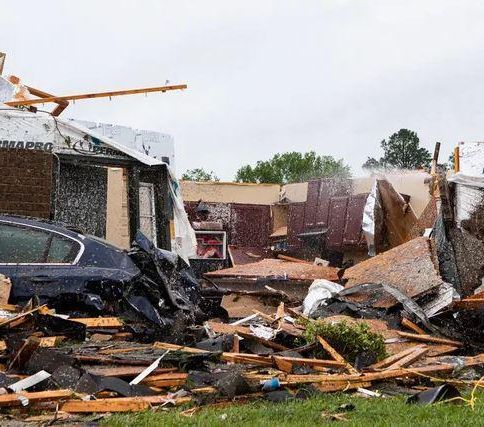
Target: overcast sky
263, 77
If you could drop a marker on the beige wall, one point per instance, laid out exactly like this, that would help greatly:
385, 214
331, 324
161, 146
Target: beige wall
297, 192
117, 224
230, 192
411, 183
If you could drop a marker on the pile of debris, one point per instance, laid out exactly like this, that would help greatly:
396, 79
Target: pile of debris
66, 367
403, 321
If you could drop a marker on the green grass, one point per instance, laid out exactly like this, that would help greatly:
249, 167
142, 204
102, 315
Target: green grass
368, 411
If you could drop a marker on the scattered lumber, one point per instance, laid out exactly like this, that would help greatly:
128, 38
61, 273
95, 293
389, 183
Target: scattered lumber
99, 322
429, 339
16, 399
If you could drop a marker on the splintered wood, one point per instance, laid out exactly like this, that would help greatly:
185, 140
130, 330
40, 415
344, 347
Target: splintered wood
134, 376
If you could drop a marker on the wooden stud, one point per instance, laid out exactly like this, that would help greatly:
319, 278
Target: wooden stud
412, 326
57, 99
99, 322
409, 358
33, 397
429, 338
335, 355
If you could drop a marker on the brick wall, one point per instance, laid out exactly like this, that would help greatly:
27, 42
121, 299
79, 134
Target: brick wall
25, 182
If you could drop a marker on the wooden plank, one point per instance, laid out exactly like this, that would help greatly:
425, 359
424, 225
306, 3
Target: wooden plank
38, 396
225, 328
290, 258
387, 374
119, 404
25, 352
99, 322
429, 338
125, 371
5, 287
335, 355
409, 358
340, 386
280, 315
412, 326
95, 95
263, 341
236, 344
124, 350
166, 380
51, 341
21, 315
282, 364
175, 347
469, 304
392, 359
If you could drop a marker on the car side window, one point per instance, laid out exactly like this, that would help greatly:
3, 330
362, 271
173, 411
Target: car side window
62, 250
22, 244
26, 245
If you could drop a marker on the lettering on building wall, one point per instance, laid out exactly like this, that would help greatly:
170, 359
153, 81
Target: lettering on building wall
27, 145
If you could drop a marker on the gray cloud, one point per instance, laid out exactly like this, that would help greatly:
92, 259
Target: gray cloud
263, 76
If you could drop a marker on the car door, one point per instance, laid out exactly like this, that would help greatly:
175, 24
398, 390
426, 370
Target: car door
36, 259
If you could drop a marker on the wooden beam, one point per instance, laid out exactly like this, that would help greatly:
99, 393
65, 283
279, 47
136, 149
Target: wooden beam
126, 371
95, 95
429, 338
393, 358
413, 327
99, 322
387, 374
119, 404
336, 356
38, 396
166, 380
409, 358
21, 315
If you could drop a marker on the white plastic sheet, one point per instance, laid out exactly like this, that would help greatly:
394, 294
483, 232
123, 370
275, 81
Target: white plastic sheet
185, 241
368, 223
318, 293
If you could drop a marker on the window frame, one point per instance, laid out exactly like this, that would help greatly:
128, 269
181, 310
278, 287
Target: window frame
51, 233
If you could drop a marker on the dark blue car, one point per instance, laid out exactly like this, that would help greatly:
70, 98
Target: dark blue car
73, 272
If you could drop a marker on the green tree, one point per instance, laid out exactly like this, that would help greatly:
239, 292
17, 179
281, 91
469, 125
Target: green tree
290, 167
401, 150
199, 174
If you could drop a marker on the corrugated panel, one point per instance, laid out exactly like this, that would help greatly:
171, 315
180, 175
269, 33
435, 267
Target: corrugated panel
337, 222
295, 224
311, 204
354, 216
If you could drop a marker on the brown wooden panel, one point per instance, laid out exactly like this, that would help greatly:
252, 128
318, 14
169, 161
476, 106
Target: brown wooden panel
354, 218
323, 203
329, 188
311, 204
337, 220
250, 225
295, 224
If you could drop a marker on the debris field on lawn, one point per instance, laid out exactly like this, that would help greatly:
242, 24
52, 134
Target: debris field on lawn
345, 290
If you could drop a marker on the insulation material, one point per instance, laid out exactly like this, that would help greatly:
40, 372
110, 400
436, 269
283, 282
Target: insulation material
12, 90
42, 132
471, 158
469, 195
319, 293
368, 224
184, 242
